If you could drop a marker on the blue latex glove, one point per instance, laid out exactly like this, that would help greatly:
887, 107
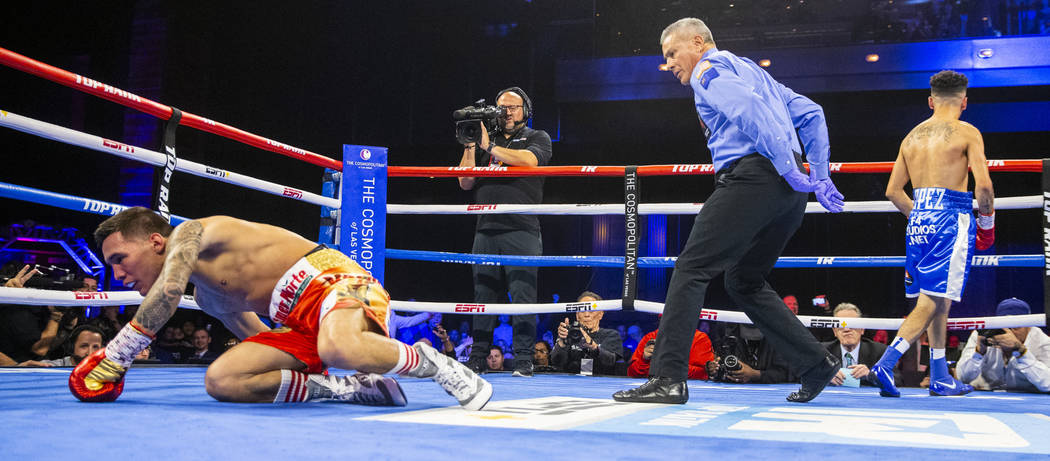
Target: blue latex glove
799, 181
829, 197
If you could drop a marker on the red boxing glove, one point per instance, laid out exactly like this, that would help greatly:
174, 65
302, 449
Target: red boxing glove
100, 376
97, 379
985, 230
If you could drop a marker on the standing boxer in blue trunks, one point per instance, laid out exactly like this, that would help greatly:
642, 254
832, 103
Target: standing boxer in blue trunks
941, 229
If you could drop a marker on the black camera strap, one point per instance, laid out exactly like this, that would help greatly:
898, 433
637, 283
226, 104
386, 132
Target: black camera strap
631, 195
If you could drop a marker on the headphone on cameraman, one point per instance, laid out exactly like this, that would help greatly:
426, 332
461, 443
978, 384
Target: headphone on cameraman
526, 103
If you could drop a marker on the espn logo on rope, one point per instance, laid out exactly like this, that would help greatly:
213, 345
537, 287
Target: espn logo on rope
481, 207
218, 173
468, 308
708, 315
992, 163
826, 323
293, 193
118, 146
90, 295
966, 325
580, 307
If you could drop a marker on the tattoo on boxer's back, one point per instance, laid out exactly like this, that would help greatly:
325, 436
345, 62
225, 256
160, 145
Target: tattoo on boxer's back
922, 133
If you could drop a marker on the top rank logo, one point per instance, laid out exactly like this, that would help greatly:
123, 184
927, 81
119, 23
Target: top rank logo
366, 154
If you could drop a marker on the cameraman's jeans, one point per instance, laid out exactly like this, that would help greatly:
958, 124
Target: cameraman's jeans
493, 283
741, 231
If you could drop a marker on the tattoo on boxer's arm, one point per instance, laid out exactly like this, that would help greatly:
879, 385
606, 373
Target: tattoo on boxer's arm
164, 296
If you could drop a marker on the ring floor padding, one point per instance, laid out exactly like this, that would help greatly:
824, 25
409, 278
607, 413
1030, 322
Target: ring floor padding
165, 411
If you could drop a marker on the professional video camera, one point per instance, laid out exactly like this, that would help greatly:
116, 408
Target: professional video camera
468, 128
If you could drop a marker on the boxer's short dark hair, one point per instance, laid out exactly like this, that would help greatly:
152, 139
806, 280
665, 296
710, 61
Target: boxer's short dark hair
134, 222
948, 83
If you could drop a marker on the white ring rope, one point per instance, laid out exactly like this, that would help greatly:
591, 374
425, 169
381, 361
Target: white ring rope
35, 297
1002, 203
77, 138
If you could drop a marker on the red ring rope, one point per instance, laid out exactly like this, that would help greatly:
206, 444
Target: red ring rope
119, 96
1016, 166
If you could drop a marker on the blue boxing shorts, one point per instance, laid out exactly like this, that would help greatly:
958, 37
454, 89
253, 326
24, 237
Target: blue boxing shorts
940, 243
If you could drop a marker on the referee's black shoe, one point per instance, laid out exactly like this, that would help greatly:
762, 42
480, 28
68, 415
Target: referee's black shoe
657, 390
816, 378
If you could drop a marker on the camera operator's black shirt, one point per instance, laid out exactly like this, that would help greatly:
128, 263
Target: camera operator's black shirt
527, 190
610, 351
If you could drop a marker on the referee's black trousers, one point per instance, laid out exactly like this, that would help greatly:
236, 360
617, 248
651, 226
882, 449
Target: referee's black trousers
741, 231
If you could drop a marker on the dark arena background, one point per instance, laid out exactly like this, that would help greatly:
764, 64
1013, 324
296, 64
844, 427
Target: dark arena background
320, 75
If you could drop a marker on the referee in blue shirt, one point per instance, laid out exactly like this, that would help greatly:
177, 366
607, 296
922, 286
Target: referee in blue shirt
755, 129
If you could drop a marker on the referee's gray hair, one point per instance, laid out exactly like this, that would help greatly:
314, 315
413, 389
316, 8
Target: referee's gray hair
846, 307
691, 26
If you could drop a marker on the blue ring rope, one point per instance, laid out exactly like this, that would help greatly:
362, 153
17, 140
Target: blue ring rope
662, 262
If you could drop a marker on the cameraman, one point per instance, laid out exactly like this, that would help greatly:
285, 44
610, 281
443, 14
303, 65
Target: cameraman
513, 144
1015, 359
584, 339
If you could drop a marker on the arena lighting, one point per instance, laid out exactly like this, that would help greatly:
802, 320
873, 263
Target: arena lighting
663, 67
872, 57
765, 62
985, 53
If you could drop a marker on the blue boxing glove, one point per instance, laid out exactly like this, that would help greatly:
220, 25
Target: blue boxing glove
829, 197
799, 181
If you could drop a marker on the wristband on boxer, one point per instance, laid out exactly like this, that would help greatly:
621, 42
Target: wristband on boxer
131, 340
985, 230
985, 221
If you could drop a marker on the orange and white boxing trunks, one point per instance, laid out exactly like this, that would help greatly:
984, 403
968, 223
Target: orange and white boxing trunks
320, 282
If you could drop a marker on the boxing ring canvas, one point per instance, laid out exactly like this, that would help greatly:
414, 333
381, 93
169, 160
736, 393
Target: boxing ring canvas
166, 410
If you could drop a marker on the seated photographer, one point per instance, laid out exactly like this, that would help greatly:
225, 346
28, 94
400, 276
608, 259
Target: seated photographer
585, 340
858, 353
84, 341
1015, 359
699, 354
744, 356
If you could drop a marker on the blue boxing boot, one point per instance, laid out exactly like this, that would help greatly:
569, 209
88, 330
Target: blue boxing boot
942, 384
948, 387
883, 369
